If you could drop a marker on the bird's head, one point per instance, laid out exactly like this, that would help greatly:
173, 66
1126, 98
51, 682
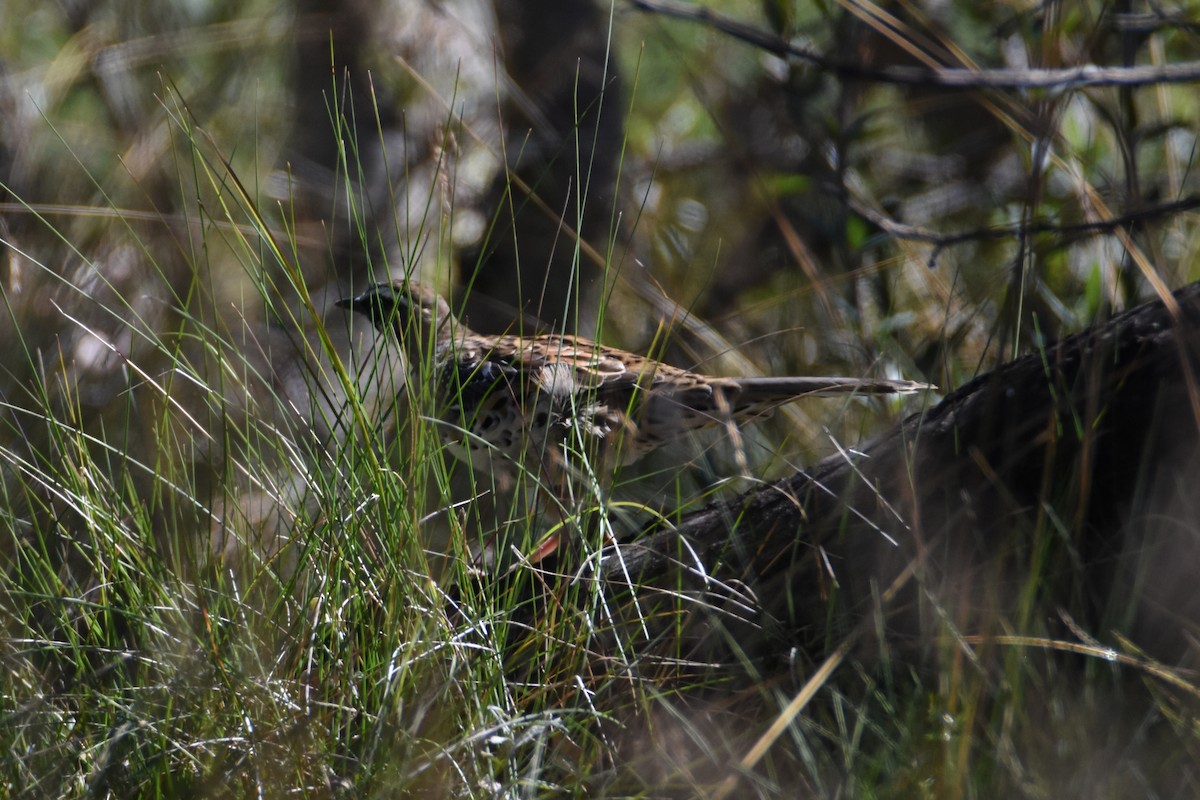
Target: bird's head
415, 314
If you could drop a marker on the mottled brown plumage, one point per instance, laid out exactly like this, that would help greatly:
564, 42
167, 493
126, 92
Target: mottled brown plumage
553, 396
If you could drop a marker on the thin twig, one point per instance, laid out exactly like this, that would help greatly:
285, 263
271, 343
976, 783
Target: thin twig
950, 78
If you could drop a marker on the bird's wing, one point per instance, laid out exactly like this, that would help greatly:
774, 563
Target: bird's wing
574, 367
564, 365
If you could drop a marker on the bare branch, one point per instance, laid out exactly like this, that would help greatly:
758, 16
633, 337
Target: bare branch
899, 230
1068, 79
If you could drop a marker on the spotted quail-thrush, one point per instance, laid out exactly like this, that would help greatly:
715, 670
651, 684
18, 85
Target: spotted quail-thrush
532, 395
504, 400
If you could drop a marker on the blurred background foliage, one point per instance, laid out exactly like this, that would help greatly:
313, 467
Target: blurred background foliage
186, 187
810, 220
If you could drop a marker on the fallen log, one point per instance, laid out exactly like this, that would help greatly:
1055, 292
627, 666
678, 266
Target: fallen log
1057, 495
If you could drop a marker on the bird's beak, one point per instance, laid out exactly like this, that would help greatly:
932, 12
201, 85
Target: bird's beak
350, 303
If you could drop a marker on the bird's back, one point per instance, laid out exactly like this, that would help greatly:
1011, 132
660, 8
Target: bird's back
557, 384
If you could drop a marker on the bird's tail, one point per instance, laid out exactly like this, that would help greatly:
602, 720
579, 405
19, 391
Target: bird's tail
781, 389
735, 400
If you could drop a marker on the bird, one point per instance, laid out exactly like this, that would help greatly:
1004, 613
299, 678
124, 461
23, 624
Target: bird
557, 402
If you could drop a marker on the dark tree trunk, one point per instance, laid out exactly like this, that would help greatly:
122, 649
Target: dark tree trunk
562, 119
